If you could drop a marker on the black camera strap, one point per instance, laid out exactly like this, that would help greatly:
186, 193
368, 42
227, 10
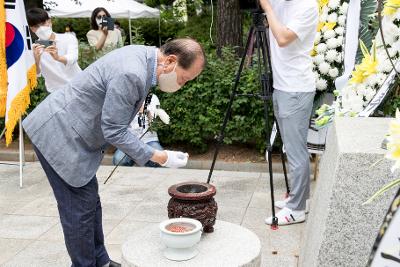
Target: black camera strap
142, 115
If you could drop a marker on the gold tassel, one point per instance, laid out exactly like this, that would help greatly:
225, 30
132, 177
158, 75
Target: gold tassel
20, 103
3, 61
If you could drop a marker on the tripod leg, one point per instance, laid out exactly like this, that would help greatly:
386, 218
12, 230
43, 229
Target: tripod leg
283, 158
266, 92
274, 225
229, 109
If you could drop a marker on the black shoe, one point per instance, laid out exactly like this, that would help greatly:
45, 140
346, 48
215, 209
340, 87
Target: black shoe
114, 264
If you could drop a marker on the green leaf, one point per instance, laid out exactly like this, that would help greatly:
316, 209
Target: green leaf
383, 190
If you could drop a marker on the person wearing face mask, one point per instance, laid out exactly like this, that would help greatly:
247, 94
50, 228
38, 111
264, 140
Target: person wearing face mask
140, 126
292, 30
99, 37
69, 29
57, 63
72, 127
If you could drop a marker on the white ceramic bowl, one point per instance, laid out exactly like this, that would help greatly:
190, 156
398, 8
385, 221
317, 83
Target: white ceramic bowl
180, 245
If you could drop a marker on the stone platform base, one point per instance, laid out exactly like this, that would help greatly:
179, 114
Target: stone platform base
228, 245
340, 230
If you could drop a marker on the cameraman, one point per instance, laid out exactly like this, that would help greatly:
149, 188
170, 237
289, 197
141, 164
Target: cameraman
292, 30
99, 36
140, 126
57, 61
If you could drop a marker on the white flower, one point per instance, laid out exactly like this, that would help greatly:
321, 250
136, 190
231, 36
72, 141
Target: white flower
393, 51
396, 45
397, 14
324, 67
333, 72
339, 30
385, 66
343, 9
381, 55
339, 57
333, 17
360, 89
332, 43
331, 55
340, 40
317, 38
318, 59
342, 20
323, 17
321, 48
321, 84
334, 4
316, 75
390, 32
356, 104
381, 78
369, 94
372, 80
329, 34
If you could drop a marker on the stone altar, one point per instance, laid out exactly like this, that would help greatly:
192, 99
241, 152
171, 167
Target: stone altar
228, 245
340, 231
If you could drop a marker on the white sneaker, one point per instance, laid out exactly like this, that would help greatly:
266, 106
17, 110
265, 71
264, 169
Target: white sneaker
280, 204
287, 216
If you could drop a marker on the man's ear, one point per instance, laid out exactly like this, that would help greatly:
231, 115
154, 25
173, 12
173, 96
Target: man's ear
172, 59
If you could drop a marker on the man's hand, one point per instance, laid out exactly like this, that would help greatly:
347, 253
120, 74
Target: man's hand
175, 159
283, 35
53, 51
265, 5
37, 51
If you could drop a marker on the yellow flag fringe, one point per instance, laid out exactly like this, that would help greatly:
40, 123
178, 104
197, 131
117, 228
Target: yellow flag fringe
3, 62
20, 103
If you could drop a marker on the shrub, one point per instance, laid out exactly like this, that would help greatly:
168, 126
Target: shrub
197, 111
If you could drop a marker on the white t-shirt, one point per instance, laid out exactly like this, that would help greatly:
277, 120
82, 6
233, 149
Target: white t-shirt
139, 131
292, 65
55, 73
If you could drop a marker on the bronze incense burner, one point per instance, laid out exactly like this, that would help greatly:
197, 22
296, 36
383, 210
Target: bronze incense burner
194, 200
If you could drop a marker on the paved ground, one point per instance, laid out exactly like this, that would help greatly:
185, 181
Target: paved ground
31, 235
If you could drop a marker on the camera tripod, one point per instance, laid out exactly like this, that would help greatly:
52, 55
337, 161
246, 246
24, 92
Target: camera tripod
258, 33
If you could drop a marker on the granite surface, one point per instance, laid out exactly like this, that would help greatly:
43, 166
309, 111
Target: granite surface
229, 245
340, 230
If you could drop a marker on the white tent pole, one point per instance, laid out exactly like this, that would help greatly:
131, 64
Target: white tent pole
21, 152
130, 27
3, 132
159, 31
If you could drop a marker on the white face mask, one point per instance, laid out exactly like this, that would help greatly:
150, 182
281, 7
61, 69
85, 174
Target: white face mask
44, 32
98, 21
168, 81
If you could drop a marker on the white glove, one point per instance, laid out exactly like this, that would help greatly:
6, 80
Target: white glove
176, 159
162, 114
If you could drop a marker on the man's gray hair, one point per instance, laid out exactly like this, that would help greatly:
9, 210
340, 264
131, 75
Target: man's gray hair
186, 49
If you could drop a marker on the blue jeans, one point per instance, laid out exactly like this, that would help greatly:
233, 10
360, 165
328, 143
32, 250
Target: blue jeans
127, 161
81, 218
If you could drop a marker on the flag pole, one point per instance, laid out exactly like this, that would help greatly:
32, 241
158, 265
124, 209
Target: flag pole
21, 152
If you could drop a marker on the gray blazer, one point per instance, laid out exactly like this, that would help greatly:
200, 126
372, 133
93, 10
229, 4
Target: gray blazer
73, 125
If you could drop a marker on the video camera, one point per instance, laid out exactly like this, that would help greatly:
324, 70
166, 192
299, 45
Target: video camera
108, 22
252, 5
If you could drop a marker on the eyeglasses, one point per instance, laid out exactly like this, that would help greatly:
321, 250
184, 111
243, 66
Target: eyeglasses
100, 17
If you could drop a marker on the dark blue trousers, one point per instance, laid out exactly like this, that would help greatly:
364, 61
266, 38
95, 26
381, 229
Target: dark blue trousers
81, 219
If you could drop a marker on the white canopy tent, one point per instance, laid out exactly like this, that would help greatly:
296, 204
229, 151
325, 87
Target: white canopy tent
129, 9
